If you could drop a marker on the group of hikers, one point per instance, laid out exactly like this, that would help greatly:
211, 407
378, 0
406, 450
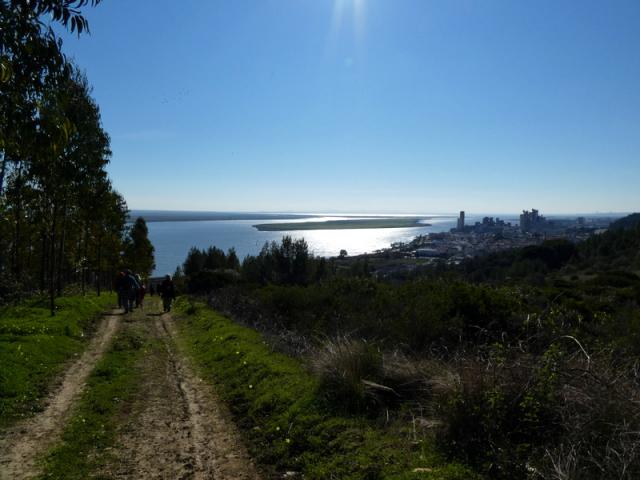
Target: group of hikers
131, 291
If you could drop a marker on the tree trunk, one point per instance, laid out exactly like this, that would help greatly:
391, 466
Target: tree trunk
17, 249
99, 263
61, 248
3, 171
43, 262
52, 261
85, 252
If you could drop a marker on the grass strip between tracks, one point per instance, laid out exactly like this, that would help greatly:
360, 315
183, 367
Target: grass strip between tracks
34, 348
93, 426
274, 402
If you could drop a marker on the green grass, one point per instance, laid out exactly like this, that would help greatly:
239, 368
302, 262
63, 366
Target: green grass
286, 424
34, 348
342, 224
93, 427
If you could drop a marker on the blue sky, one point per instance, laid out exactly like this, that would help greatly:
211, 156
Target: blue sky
369, 105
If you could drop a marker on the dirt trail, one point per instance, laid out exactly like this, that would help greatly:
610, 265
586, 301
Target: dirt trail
22, 445
176, 427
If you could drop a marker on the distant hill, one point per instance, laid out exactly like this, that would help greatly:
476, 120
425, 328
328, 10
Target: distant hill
626, 223
618, 249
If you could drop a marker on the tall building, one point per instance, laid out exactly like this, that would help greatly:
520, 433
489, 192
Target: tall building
530, 221
461, 221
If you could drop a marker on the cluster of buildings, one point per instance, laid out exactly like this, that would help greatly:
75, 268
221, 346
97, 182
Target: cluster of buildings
534, 222
483, 237
494, 234
487, 225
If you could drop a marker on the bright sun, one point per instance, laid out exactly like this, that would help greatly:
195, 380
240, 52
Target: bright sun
354, 8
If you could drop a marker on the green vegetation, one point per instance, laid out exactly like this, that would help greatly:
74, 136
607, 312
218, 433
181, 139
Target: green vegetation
34, 348
61, 220
525, 360
92, 429
283, 411
138, 250
629, 222
343, 224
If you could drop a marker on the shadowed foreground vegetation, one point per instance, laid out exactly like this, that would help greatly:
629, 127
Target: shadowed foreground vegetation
522, 364
289, 424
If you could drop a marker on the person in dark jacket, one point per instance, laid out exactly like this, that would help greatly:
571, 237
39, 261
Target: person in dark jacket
167, 292
120, 289
131, 287
141, 292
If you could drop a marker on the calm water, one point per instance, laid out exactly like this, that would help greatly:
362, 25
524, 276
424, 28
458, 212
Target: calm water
172, 240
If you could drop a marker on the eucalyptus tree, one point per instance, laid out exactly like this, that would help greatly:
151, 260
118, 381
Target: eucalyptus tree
138, 250
29, 52
59, 214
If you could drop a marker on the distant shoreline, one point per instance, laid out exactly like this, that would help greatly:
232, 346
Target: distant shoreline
177, 216
194, 216
343, 224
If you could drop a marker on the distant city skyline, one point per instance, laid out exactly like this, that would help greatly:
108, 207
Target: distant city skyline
369, 105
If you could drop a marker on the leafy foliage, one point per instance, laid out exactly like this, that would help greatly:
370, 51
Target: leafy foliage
60, 218
138, 250
288, 263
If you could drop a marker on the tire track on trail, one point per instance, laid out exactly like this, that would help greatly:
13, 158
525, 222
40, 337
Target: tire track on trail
176, 427
22, 445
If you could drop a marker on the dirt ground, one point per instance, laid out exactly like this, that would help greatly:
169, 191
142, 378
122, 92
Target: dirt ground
175, 427
22, 445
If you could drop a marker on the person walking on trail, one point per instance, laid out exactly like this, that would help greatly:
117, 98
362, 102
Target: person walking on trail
120, 289
141, 291
131, 291
167, 292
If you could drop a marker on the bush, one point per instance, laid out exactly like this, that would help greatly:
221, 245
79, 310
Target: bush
349, 371
502, 413
358, 377
205, 281
598, 410
287, 427
560, 416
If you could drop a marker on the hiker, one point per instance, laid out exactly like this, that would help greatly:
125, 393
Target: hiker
141, 291
167, 292
130, 291
141, 294
120, 289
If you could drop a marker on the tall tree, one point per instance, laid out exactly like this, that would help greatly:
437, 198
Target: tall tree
29, 52
138, 250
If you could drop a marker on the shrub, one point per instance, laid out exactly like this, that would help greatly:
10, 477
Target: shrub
501, 414
349, 372
598, 408
205, 281
357, 376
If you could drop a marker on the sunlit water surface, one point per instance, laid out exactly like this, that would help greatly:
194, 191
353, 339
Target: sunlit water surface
172, 240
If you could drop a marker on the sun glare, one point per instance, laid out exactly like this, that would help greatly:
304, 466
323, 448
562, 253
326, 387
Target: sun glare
342, 9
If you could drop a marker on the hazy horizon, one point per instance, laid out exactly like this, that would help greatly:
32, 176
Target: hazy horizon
368, 213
